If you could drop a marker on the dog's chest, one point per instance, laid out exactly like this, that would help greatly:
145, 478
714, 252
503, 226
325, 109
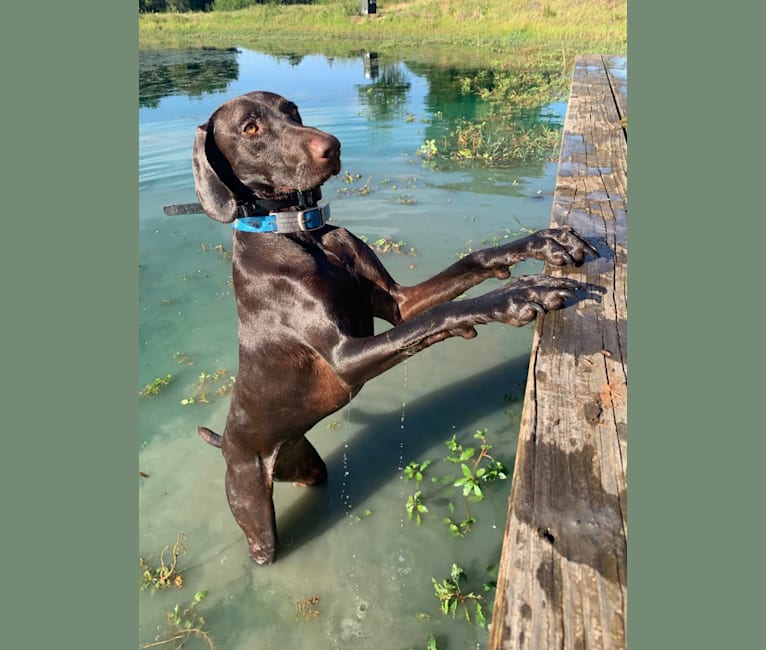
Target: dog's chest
298, 281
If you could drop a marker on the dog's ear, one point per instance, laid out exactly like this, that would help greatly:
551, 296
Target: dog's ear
216, 198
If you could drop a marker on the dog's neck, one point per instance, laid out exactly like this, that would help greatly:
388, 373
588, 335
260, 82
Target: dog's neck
255, 206
296, 212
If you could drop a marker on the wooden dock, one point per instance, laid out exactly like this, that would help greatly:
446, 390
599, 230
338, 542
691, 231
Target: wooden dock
563, 572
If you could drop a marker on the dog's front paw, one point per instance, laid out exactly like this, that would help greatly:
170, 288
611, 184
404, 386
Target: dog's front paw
560, 246
521, 301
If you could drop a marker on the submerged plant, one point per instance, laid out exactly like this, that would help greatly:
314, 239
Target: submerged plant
184, 623
451, 597
164, 575
478, 470
430, 643
307, 608
218, 248
156, 386
211, 386
182, 357
414, 470
415, 507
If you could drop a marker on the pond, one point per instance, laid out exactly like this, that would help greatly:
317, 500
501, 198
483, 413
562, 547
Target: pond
353, 570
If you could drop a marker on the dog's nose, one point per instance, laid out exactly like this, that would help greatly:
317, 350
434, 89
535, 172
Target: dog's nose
324, 147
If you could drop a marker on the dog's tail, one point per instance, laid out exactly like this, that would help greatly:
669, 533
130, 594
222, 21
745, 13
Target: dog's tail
210, 437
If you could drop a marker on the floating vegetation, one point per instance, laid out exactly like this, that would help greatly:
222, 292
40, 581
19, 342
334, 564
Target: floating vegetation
307, 608
184, 624
428, 150
164, 575
512, 126
182, 358
350, 179
218, 248
156, 386
385, 245
211, 386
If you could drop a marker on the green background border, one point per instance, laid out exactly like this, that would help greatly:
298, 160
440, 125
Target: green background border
695, 336
69, 358
69, 339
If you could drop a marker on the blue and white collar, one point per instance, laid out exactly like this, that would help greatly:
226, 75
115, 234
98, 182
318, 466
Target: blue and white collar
298, 211
285, 222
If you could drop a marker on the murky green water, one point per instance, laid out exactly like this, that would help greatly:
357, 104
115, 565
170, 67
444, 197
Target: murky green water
349, 542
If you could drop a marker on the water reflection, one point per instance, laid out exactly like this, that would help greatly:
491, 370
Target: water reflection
162, 73
386, 97
474, 116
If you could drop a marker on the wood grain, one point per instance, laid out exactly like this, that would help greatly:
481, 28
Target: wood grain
563, 571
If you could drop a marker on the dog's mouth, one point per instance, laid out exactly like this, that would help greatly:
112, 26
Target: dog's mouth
286, 189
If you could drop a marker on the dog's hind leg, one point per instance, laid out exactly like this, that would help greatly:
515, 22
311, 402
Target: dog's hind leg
300, 463
249, 490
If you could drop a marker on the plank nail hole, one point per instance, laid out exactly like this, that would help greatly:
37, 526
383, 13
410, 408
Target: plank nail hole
546, 534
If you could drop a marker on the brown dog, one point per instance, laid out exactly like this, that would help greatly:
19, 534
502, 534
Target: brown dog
307, 293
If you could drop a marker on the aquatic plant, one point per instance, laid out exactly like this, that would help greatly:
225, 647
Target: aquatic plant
155, 387
415, 507
428, 150
183, 358
184, 623
430, 643
211, 386
414, 470
385, 245
163, 575
223, 253
307, 608
478, 470
451, 597
349, 179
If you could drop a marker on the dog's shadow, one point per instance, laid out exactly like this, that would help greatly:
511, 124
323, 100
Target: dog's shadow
374, 453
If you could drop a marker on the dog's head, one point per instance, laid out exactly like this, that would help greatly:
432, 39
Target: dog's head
256, 145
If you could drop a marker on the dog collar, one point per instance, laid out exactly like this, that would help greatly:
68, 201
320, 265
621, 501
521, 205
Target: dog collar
256, 207
284, 222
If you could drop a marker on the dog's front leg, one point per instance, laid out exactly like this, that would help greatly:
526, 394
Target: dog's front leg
556, 246
357, 360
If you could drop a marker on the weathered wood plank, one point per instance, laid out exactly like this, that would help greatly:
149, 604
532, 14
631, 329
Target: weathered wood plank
563, 570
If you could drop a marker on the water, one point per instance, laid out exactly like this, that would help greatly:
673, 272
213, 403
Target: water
349, 543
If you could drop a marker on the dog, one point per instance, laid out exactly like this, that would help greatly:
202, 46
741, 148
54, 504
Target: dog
307, 293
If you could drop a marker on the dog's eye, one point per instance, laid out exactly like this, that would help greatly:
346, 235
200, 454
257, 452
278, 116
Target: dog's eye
251, 128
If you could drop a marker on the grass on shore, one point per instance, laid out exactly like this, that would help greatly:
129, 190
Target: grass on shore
514, 32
